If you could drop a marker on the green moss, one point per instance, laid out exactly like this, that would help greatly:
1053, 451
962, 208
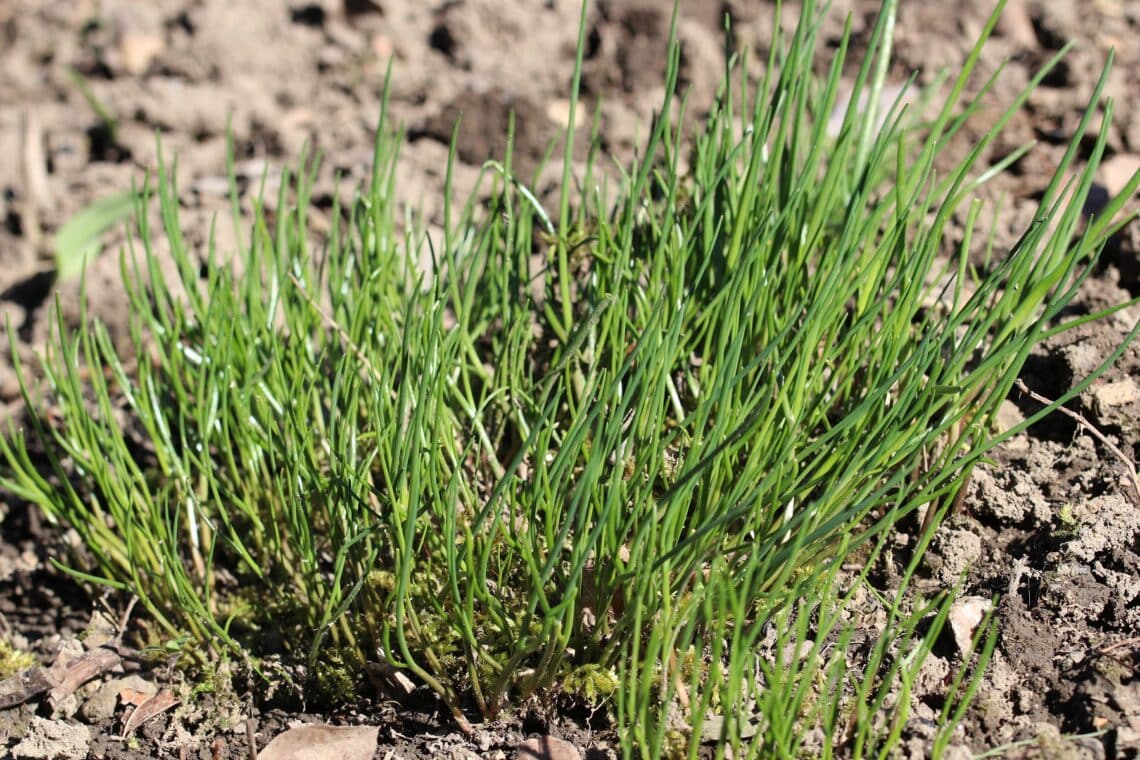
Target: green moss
338, 674
591, 682
215, 677
675, 745
1070, 524
13, 660
382, 580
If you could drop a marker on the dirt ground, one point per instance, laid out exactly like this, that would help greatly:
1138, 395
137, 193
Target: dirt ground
1053, 525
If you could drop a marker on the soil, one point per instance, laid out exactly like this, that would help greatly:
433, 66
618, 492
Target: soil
1052, 524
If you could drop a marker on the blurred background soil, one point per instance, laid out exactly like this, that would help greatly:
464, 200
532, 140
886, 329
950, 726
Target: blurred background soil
1053, 525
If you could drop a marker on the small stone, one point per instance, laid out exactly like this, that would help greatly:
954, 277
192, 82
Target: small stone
101, 705
1116, 171
547, 748
138, 49
310, 742
558, 111
966, 614
382, 46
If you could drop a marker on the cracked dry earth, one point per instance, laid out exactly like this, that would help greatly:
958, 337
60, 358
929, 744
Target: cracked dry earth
1052, 525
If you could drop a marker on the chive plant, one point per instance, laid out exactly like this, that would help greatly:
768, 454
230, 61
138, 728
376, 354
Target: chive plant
650, 480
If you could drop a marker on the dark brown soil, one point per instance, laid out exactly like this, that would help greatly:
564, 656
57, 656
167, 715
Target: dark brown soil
1052, 525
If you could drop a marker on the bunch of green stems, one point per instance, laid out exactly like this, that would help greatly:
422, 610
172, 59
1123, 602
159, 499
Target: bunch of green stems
740, 374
